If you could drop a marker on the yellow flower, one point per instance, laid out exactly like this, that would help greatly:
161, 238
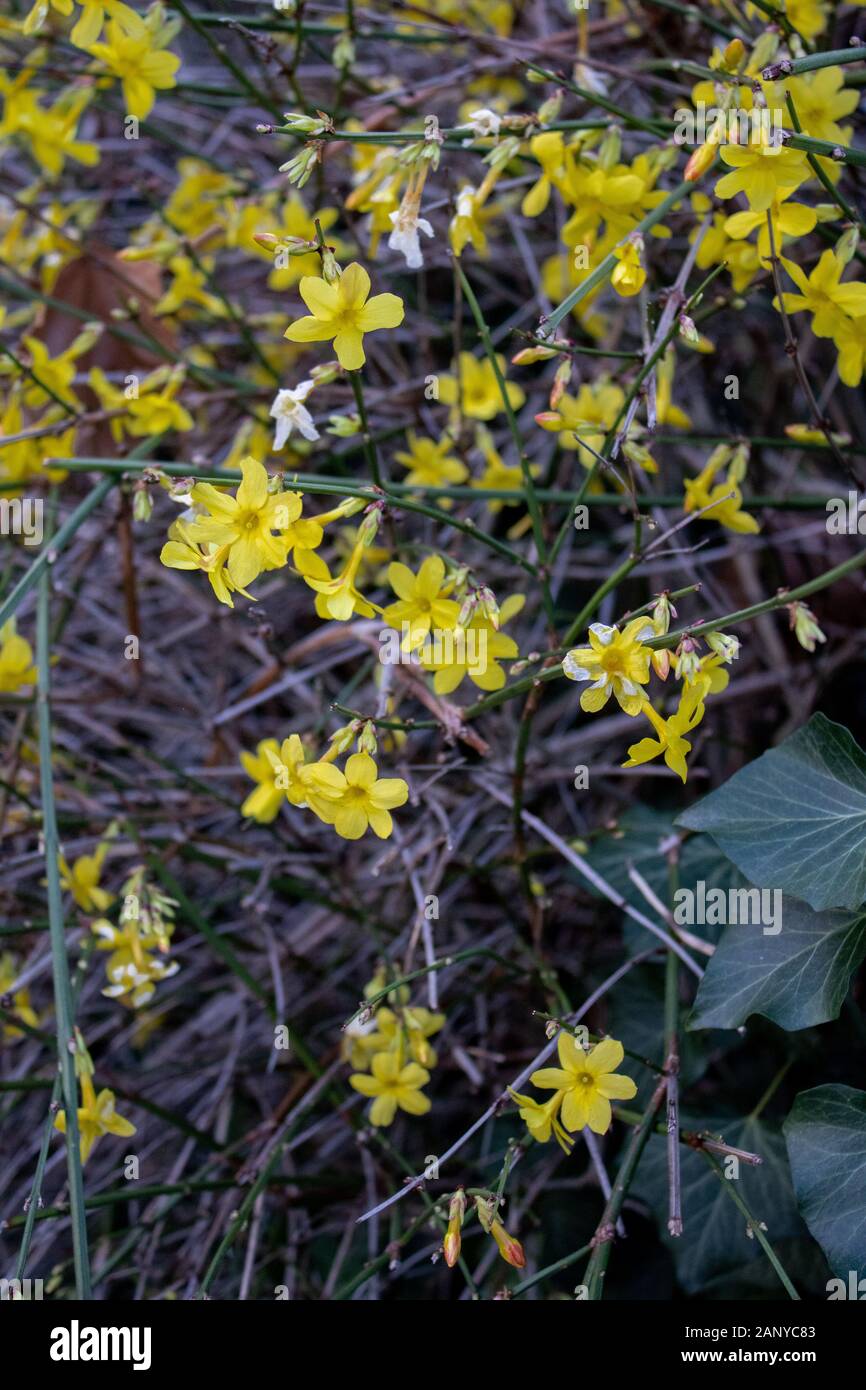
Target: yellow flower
670, 740
497, 473
51, 132
247, 522
759, 169
412, 1026
720, 502
423, 602
188, 286
342, 311
182, 552
393, 1086
431, 464
850, 339
16, 659
808, 17
337, 596
96, 1116
477, 655
615, 662
479, 395
824, 297
318, 785
820, 99
20, 1005
132, 969
153, 411
542, 1120
367, 800
588, 1081
141, 64
628, 276
264, 802
82, 880
788, 219
585, 417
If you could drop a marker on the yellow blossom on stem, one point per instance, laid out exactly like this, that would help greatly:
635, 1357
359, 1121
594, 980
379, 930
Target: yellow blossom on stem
82, 879
615, 662
20, 1005
392, 1086
823, 296
759, 169
589, 1082
16, 659
141, 64
670, 732
423, 601
96, 1116
367, 800
478, 393
451, 1243
431, 464
246, 523
720, 502
343, 312
542, 1119
628, 276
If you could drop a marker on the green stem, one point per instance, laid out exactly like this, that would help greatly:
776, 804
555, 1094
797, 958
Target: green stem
64, 1009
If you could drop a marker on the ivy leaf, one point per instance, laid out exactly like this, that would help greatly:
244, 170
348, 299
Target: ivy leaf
826, 1137
795, 818
798, 978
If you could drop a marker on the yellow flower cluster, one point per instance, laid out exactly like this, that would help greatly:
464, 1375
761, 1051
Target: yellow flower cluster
145, 926
617, 662
353, 800
391, 1054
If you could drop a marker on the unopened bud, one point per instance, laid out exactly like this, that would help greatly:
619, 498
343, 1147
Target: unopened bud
687, 663
528, 355
367, 739
700, 161
451, 1243
560, 381
142, 504
805, 626
734, 55
509, 1248
847, 245
725, 646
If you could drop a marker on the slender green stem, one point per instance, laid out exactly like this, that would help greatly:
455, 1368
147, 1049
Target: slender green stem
63, 1004
753, 1225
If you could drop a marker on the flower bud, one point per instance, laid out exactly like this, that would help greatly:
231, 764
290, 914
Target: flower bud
488, 606
367, 739
725, 646
560, 381
734, 56
344, 425
451, 1243
369, 526
687, 663
847, 245
700, 161
330, 269
661, 663
805, 626
528, 355
142, 504
510, 1249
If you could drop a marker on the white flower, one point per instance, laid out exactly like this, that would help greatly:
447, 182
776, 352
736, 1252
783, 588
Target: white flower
290, 413
407, 224
484, 122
